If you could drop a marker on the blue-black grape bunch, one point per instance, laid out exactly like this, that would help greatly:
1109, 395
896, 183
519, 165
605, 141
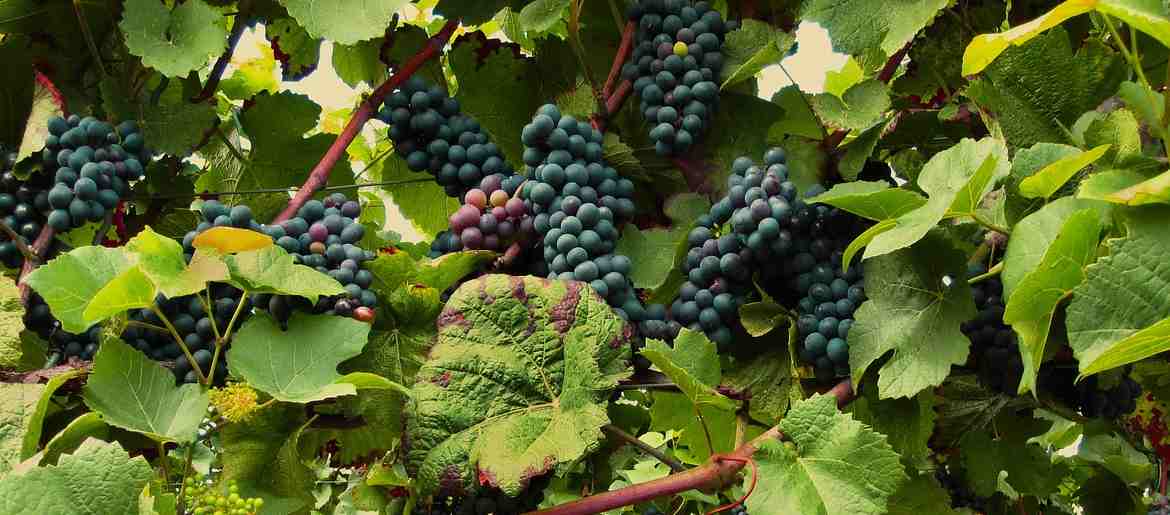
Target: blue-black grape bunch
428, 129
961, 494
92, 163
675, 69
197, 323
487, 501
578, 202
38, 319
324, 235
23, 204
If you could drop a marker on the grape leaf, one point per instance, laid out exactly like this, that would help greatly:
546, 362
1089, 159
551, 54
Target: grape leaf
858, 151
861, 107
300, 364
872, 28
908, 423
231, 240
69, 282
1029, 468
382, 431
399, 342
297, 51
133, 392
100, 477
750, 48
1149, 106
770, 380
392, 271
344, 21
18, 348
1121, 312
955, 181
1032, 304
32, 436
911, 312
517, 383
36, 126
174, 42
474, 12
172, 123
252, 447
1048, 180
986, 47
360, 62
761, 317
1035, 233
727, 140
965, 406
1116, 455
674, 412
255, 75
131, 289
422, 202
16, 92
797, 120
1121, 131
1035, 91
272, 270
1127, 188
18, 407
89, 425
874, 200
540, 15
921, 494
161, 260
693, 365
837, 465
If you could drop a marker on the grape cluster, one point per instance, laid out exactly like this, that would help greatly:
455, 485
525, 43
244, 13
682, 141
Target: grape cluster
1113, 402
92, 163
1160, 506
577, 203
38, 319
994, 344
202, 497
488, 501
961, 494
491, 218
428, 129
675, 68
23, 204
196, 326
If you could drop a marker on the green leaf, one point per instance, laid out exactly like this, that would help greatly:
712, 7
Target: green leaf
751, 48
133, 392
32, 436
861, 107
1032, 304
837, 82
1118, 315
1148, 17
798, 120
1035, 233
252, 447
1149, 106
655, 253
912, 313
392, 271
859, 150
909, 423
922, 494
344, 21
99, 478
1116, 455
955, 181
131, 289
174, 42
69, 282
272, 270
1037, 91
1029, 468
674, 412
20, 350
161, 260
300, 364
1120, 130
474, 12
874, 200
1155, 190
540, 15
986, 47
18, 409
770, 380
36, 127
1050, 178
398, 343
258, 74
174, 124
423, 203
299, 52
89, 425
837, 465
871, 28
761, 317
360, 62
693, 365
727, 140
516, 386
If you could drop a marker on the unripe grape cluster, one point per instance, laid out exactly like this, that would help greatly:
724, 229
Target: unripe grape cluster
429, 131
202, 497
577, 203
23, 204
492, 217
742, 231
675, 69
92, 164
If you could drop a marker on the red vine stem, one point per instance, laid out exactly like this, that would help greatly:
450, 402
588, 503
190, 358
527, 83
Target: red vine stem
619, 59
320, 174
238, 26
719, 471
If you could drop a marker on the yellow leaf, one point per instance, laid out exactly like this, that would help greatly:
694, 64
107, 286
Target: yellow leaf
230, 240
986, 47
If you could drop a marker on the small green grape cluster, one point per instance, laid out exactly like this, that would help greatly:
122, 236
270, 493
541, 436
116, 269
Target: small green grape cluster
202, 497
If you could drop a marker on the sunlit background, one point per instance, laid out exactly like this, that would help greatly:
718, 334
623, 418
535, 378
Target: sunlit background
807, 67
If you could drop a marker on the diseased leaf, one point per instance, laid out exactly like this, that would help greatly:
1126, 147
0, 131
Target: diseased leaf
912, 312
1121, 312
230, 240
298, 364
36, 126
837, 465
133, 392
174, 42
514, 386
100, 477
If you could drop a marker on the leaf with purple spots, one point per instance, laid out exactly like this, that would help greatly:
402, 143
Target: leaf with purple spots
517, 383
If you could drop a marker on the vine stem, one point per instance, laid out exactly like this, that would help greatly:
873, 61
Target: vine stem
619, 58
179, 340
225, 58
320, 174
162, 459
40, 247
720, 470
617, 432
18, 240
